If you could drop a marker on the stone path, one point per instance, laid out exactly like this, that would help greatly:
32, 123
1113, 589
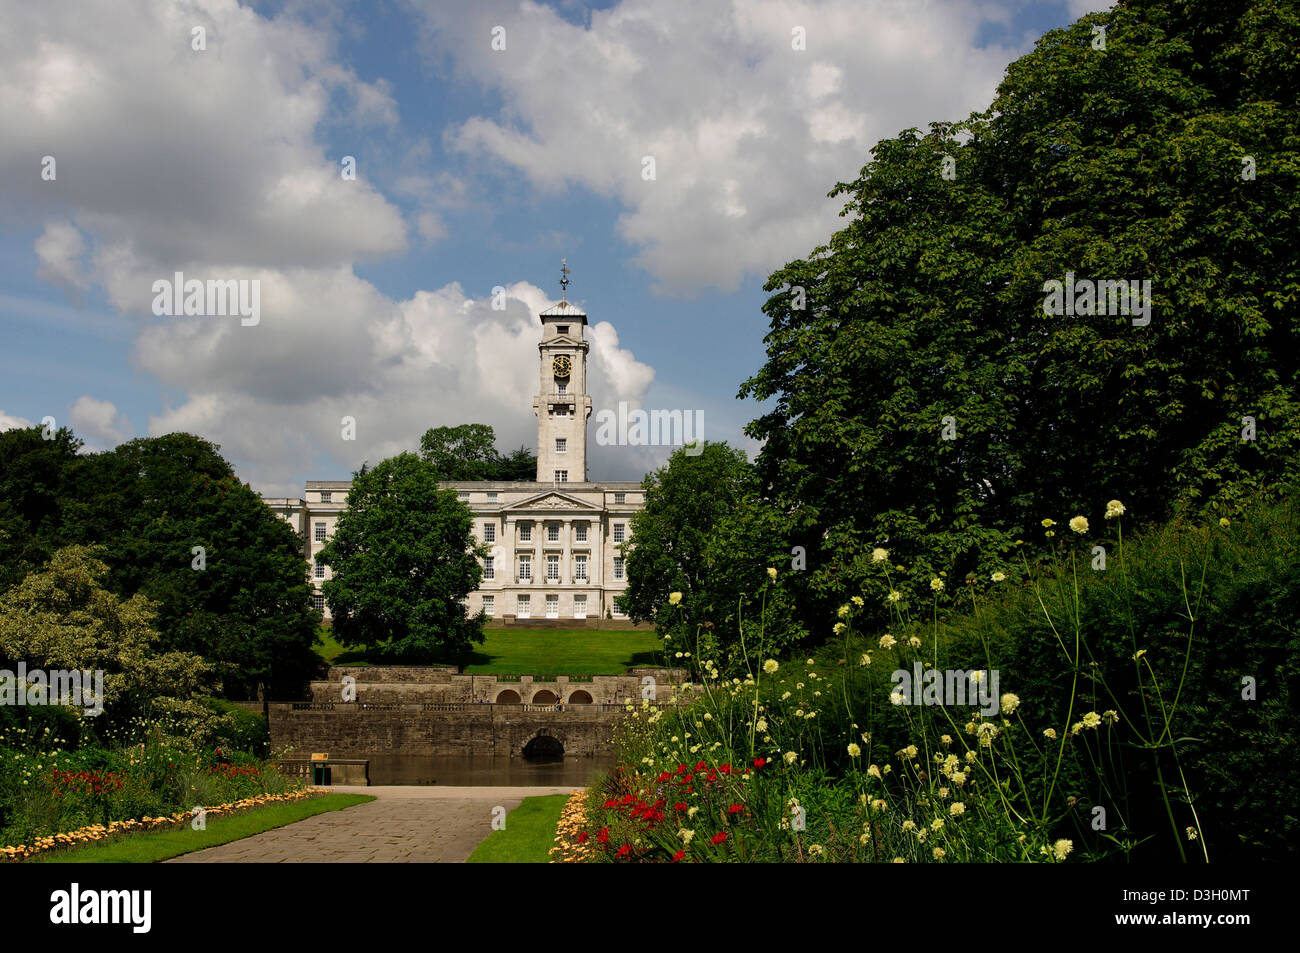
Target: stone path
407, 824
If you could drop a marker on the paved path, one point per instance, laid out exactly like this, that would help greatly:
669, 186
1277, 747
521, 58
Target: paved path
407, 824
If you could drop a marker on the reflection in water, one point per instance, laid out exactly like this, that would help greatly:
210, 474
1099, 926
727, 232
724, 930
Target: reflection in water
485, 771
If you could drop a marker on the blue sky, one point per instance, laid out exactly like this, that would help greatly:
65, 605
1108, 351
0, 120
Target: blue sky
476, 168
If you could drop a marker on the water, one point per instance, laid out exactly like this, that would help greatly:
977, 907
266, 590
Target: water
484, 770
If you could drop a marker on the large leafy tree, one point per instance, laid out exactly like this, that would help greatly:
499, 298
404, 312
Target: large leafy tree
705, 533
1129, 162
33, 475
242, 601
403, 559
468, 452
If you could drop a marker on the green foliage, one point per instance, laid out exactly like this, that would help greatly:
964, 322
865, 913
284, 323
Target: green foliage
704, 533
241, 730
1122, 163
403, 558
33, 494
468, 452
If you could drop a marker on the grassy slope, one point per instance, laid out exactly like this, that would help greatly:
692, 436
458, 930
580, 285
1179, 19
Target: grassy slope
529, 833
540, 652
162, 845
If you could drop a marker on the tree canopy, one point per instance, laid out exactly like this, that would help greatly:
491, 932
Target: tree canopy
403, 560
468, 452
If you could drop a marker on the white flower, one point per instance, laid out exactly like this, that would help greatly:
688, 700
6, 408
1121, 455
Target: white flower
1113, 509
854, 750
1009, 703
998, 576
887, 641
1079, 525
674, 598
879, 555
771, 665
936, 584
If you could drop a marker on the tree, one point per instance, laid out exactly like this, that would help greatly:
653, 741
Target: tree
925, 403
226, 574
705, 533
403, 560
468, 452
33, 474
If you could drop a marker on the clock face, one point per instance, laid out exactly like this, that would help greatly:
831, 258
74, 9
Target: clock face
562, 366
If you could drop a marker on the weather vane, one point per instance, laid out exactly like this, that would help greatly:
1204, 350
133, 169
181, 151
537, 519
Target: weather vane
564, 279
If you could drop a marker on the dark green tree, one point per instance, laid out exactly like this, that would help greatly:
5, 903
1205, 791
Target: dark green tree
403, 560
924, 402
33, 476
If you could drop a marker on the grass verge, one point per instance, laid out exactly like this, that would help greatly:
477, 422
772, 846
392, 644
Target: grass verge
528, 836
163, 845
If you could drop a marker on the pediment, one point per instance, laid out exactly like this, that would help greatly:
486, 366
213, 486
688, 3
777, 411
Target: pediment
549, 500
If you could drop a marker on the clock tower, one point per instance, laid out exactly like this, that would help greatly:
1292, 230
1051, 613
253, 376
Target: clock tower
562, 404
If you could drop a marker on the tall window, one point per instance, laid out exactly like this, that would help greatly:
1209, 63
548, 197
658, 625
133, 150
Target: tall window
489, 606
552, 568
552, 607
580, 532
580, 606
618, 567
620, 530
326, 496
579, 568
620, 497
491, 496
552, 532
489, 567
320, 571
521, 607
525, 568
561, 476
525, 532
561, 329
561, 387
561, 445
318, 601
489, 532
562, 410
320, 532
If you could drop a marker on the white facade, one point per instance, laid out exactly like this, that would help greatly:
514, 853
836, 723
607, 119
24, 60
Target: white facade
557, 545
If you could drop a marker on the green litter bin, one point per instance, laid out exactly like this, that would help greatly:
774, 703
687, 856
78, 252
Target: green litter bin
320, 771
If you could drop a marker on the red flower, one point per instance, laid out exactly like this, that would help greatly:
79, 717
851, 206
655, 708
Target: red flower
681, 807
681, 768
735, 809
726, 768
624, 850
718, 838
582, 838
603, 836
759, 762
611, 803
664, 777
713, 775
701, 766
678, 856
627, 799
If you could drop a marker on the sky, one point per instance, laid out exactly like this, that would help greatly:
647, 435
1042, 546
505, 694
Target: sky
490, 140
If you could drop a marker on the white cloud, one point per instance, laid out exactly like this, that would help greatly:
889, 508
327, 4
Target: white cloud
60, 249
748, 134
10, 422
99, 423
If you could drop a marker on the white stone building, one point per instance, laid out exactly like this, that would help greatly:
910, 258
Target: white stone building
558, 543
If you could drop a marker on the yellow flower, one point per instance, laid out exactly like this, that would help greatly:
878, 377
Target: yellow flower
879, 555
1225, 523
936, 824
1010, 703
1091, 720
816, 850
879, 805
842, 611
1140, 653
1114, 508
1062, 847
865, 659
771, 573
857, 601
957, 809
938, 853
894, 595
887, 641
1048, 524
998, 576
1079, 524
914, 642
791, 757
1110, 716
936, 584
771, 665
854, 750
1050, 533
909, 825
1050, 733
838, 628
674, 598
1191, 833
873, 771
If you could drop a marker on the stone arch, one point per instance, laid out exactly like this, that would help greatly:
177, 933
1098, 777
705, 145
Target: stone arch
545, 697
580, 697
508, 697
544, 747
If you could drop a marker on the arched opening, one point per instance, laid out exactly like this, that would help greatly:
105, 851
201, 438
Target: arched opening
545, 697
508, 697
544, 748
580, 697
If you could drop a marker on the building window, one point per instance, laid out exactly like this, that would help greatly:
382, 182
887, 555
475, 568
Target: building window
618, 567
489, 567
562, 410
552, 568
620, 530
492, 496
561, 329
525, 568
561, 445
525, 532
561, 387
552, 607
521, 607
579, 568
580, 532
561, 476
620, 497
489, 532
320, 571
552, 532
320, 532
325, 496
489, 606
580, 606
318, 602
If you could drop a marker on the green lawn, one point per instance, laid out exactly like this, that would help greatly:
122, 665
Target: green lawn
529, 833
539, 652
162, 845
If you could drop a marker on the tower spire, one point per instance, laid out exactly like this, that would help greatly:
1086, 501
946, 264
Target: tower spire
564, 279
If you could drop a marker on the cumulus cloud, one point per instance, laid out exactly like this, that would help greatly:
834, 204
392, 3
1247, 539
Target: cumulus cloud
99, 423
10, 422
747, 133
60, 249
